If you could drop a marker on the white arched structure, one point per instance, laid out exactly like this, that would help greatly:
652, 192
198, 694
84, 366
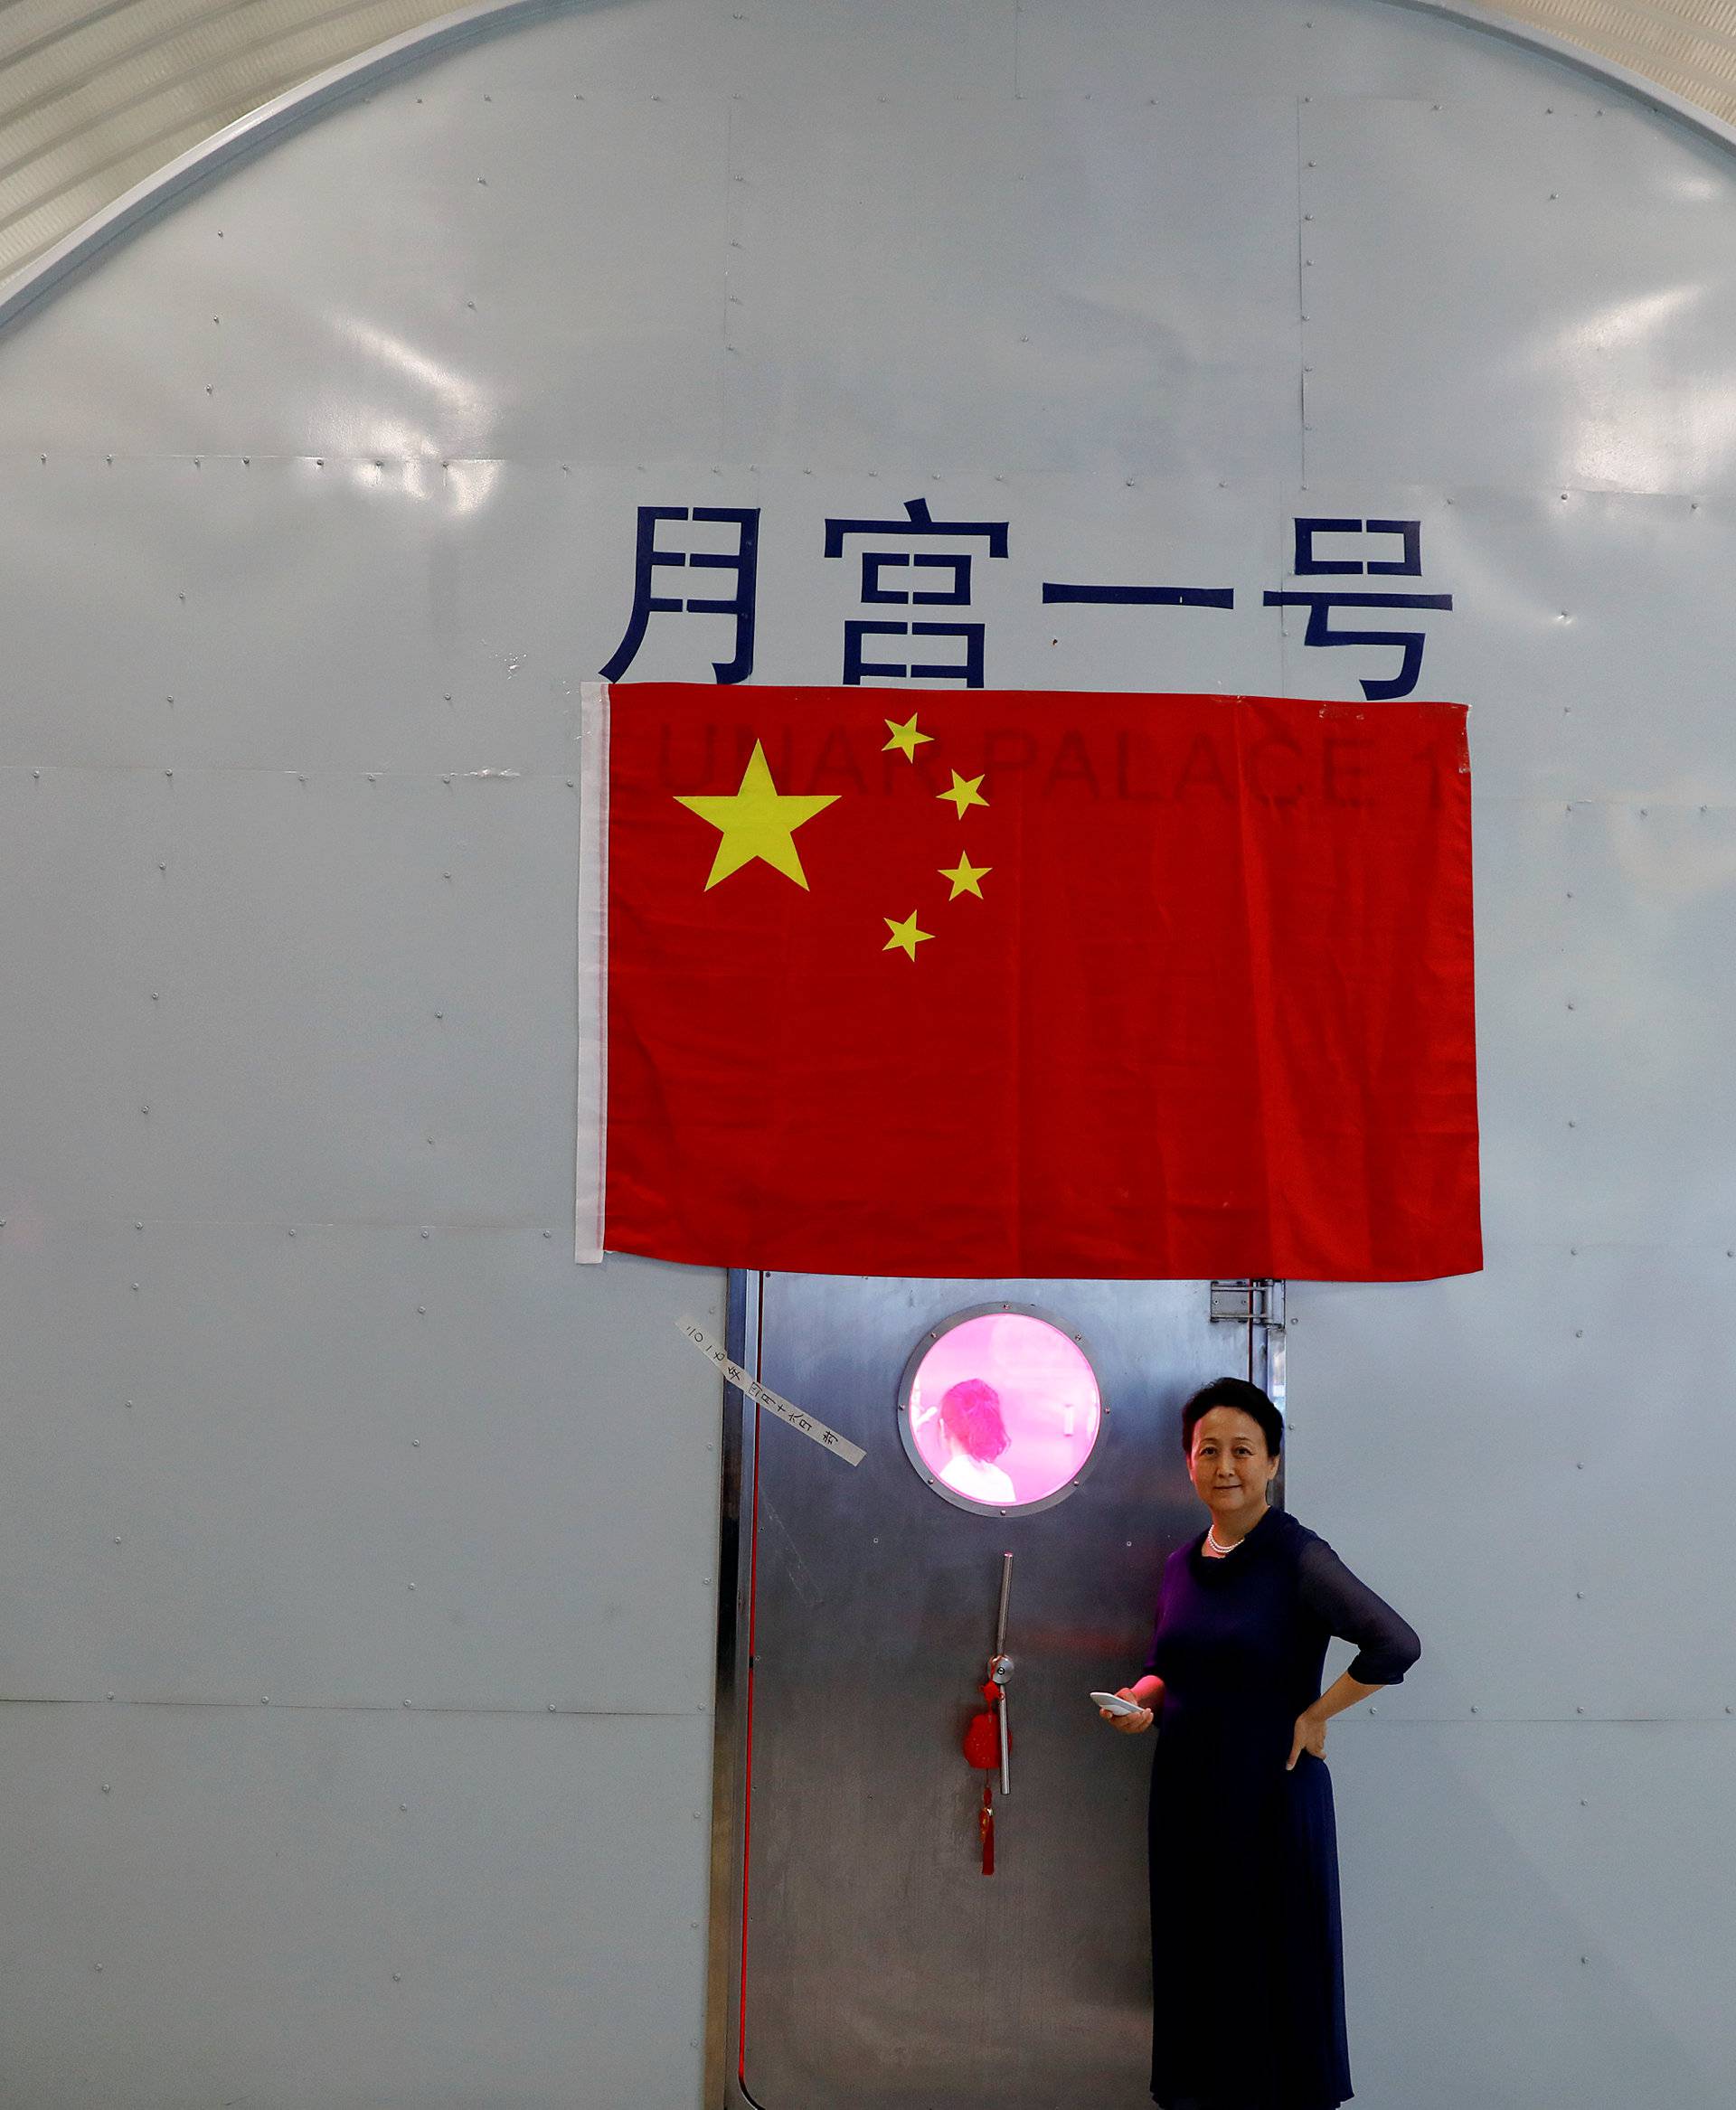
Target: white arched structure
360, 1552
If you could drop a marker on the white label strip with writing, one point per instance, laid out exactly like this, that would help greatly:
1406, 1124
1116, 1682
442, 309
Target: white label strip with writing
827, 1438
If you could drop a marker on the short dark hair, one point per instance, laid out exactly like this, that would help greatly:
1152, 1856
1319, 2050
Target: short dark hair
1233, 1392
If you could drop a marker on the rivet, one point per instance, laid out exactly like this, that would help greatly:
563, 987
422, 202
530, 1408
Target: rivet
265, 1700
1472, 1710
425, 1230
442, 1015
292, 1231
134, 1286
1579, 1711
421, 1309
116, 1541
156, 996
137, 1223
1579, 1333
398, 1976
128, 1403
105, 1787
403, 1805
412, 1586
550, 1706
415, 1442
546, 1234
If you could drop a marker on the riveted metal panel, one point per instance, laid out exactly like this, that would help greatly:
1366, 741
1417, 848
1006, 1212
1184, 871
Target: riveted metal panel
195, 1886
1058, 277
1609, 290
1554, 1819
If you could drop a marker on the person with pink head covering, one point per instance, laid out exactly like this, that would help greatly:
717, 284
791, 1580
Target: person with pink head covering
973, 1434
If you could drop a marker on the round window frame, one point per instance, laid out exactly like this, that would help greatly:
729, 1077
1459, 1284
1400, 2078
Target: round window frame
907, 1437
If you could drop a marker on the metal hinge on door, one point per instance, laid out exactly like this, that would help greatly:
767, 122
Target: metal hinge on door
1258, 1301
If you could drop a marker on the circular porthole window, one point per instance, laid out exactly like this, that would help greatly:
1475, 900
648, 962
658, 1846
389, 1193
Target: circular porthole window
999, 1409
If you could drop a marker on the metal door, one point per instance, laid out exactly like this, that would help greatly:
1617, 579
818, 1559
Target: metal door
874, 1964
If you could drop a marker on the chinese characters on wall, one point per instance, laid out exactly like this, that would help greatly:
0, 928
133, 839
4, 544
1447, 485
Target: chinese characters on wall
916, 574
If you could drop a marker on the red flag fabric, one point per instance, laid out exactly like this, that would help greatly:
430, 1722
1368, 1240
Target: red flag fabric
909, 982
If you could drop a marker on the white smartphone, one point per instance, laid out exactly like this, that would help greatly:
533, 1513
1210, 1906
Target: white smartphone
1114, 1702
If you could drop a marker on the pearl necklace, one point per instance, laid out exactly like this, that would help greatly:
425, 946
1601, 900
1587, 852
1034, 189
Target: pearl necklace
1217, 1544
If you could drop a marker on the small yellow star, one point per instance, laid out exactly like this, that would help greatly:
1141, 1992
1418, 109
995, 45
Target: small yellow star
964, 792
965, 876
906, 937
906, 738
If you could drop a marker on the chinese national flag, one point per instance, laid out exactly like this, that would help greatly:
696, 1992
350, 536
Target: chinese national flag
912, 982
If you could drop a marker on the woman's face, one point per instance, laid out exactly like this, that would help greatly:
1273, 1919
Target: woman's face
1230, 1463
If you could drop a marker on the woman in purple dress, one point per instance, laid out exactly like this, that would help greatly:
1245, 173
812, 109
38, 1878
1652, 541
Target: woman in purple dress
1247, 1948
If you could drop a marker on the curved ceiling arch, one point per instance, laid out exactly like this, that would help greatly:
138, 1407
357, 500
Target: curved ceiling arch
108, 110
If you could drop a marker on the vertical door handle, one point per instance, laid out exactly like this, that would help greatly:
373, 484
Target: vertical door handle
1000, 1669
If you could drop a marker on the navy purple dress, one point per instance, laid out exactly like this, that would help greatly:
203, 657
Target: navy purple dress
1246, 1941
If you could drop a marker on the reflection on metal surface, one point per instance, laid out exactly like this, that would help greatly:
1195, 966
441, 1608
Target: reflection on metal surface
463, 486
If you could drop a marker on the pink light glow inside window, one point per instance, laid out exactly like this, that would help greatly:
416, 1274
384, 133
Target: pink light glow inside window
1004, 1410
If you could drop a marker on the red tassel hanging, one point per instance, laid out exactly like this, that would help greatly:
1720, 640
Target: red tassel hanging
983, 1737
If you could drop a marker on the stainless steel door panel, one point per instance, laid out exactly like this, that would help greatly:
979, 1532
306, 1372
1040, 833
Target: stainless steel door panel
882, 1969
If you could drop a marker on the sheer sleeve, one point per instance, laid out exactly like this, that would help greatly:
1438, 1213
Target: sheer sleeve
1386, 1645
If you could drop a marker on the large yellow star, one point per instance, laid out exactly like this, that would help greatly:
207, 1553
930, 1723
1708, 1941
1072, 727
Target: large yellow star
906, 738
905, 936
965, 876
964, 792
757, 821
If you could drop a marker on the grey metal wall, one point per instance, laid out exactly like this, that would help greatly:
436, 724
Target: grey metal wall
316, 506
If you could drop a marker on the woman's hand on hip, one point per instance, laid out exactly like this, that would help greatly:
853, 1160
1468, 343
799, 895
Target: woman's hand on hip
1310, 1736
1129, 1725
